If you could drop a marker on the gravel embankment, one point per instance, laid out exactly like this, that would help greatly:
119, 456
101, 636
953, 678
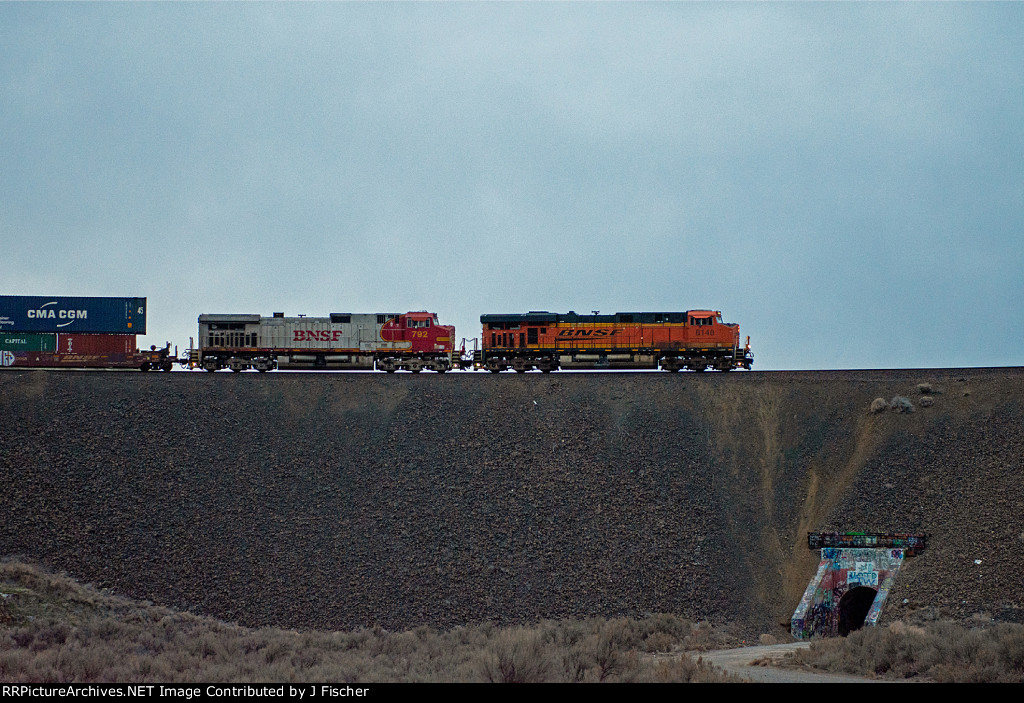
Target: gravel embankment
343, 500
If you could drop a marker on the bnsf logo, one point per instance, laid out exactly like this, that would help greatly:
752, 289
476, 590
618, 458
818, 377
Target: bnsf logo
590, 333
316, 336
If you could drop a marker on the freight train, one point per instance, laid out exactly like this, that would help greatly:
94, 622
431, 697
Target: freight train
34, 332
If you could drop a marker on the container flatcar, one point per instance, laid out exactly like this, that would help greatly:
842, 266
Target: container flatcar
84, 351
695, 339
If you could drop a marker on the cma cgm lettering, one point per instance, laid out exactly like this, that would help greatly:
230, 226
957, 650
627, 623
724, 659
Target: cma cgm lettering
27, 313
51, 314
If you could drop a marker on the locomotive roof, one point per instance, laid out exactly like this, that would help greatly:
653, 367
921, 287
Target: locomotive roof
535, 316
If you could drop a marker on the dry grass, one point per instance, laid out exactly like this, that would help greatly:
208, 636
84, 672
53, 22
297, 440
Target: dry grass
939, 651
54, 630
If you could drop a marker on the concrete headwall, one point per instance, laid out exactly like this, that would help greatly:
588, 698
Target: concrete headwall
341, 500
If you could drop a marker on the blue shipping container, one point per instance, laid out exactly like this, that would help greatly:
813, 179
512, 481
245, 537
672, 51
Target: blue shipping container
33, 313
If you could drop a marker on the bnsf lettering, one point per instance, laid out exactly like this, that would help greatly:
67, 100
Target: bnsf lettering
58, 314
316, 336
589, 333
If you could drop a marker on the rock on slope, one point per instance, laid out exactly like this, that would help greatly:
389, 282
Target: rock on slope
343, 500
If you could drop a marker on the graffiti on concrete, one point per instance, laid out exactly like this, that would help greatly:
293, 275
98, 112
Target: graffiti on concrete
910, 543
851, 583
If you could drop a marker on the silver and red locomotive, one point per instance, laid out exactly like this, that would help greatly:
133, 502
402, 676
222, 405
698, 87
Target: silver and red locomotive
411, 341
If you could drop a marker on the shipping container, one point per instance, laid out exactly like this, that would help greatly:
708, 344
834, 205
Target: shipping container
28, 341
26, 313
89, 344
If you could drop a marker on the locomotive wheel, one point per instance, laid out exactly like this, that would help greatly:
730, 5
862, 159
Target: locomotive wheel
494, 370
415, 370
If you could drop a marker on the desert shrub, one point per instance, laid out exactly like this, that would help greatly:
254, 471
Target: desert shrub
901, 404
685, 669
924, 388
879, 405
926, 401
56, 630
516, 655
942, 651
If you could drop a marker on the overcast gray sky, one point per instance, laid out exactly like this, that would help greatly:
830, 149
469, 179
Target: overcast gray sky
845, 181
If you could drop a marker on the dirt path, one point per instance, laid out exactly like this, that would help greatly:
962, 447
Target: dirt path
738, 662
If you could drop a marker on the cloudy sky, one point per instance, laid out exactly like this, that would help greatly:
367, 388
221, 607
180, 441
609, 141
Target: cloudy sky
845, 181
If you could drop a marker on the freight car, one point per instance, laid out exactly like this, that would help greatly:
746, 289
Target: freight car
80, 351
76, 332
390, 342
697, 340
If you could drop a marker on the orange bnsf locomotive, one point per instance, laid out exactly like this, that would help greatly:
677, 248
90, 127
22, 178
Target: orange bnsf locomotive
698, 340
411, 341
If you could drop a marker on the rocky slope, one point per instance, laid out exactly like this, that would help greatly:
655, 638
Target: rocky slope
343, 500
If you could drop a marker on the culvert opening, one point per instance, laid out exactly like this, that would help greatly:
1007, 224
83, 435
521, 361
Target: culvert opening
854, 607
